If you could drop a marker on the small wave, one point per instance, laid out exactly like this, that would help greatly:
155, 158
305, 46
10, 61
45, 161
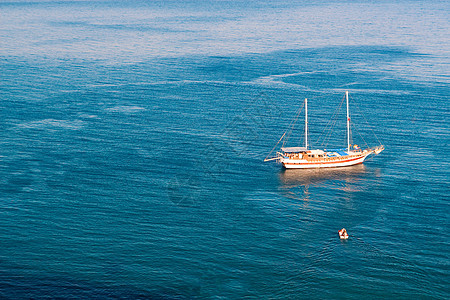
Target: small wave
276, 79
125, 109
104, 85
53, 124
88, 116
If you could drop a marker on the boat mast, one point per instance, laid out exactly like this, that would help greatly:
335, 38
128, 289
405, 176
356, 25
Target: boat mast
348, 124
306, 123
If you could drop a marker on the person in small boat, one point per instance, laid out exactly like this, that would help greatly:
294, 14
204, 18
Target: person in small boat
343, 232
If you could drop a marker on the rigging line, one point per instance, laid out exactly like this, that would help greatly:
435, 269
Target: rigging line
326, 127
331, 123
300, 110
357, 131
275, 146
368, 125
370, 158
292, 125
330, 130
288, 136
326, 139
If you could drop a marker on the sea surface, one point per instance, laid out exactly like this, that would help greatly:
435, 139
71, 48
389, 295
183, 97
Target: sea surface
133, 134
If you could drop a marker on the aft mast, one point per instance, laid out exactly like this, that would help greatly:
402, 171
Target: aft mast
306, 123
348, 124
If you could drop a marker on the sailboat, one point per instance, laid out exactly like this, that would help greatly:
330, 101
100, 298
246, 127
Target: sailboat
305, 158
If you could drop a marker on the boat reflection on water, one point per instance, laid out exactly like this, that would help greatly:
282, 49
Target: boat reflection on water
296, 183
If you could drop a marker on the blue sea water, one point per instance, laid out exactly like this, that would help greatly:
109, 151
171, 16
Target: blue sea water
133, 134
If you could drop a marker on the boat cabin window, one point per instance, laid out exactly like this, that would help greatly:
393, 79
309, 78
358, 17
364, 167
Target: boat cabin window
316, 155
295, 155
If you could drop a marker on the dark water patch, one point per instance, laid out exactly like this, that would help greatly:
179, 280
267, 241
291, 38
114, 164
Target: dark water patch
14, 286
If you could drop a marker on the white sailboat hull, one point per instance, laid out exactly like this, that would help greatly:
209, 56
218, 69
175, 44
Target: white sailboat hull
323, 163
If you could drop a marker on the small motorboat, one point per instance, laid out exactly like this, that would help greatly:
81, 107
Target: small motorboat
343, 234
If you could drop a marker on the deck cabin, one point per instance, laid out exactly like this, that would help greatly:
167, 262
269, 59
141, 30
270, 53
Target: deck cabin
302, 153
